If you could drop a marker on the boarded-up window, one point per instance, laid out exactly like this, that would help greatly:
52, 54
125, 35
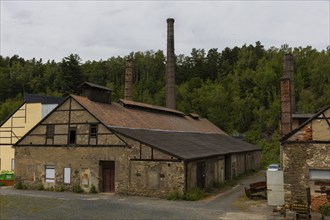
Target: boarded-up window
67, 175
50, 173
319, 174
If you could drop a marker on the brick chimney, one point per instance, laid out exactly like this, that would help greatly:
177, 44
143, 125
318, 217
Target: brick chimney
129, 80
170, 66
288, 69
287, 95
286, 119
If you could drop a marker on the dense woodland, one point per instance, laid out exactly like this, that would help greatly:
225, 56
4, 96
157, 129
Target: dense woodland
236, 88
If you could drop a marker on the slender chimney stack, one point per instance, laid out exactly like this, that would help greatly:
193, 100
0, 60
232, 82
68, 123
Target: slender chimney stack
170, 66
288, 68
287, 95
286, 119
129, 80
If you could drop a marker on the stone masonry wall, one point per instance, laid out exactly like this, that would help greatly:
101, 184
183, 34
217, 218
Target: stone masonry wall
30, 165
298, 160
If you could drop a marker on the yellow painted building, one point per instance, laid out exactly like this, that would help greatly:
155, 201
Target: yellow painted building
26, 116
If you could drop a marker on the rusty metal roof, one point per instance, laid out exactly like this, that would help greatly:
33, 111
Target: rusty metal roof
148, 107
188, 145
119, 115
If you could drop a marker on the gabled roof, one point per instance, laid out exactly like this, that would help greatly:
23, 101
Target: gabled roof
188, 145
148, 117
43, 99
287, 136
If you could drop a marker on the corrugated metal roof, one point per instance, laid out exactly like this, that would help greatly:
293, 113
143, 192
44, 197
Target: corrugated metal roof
188, 145
33, 98
117, 115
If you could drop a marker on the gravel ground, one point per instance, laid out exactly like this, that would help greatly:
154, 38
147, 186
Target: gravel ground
231, 204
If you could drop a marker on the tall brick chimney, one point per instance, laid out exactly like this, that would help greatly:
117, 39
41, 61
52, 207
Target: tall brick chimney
287, 99
288, 69
129, 80
170, 66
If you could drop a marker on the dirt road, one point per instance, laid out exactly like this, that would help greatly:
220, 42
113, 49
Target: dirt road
231, 204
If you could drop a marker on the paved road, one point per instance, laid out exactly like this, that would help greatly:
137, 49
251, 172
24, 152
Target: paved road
30, 204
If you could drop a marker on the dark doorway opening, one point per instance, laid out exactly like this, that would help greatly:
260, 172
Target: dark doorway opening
228, 167
107, 169
201, 175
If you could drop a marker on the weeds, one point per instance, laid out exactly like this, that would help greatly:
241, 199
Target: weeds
77, 188
93, 190
192, 195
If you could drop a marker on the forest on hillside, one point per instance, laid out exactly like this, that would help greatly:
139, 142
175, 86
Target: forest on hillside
236, 88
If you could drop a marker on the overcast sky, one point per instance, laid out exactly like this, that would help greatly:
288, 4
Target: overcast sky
101, 29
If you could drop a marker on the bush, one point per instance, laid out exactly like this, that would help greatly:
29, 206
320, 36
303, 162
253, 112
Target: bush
59, 188
93, 190
77, 188
1, 184
40, 187
20, 185
175, 196
193, 195
325, 210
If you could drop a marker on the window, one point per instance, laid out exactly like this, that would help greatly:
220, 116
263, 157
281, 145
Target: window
50, 173
72, 136
93, 131
50, 131
67, 175
319, 174
12, 164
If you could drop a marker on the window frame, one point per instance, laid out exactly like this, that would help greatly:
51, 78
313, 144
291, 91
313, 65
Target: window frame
70, 140
50, 131
49, 173
67, 175
93, 129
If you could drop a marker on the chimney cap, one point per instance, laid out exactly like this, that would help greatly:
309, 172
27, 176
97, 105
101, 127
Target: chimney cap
170, 20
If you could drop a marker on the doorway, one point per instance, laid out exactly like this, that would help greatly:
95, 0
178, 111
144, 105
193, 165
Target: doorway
108, 176
201, 175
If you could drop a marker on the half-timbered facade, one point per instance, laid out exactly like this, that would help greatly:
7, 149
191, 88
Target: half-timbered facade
27, 115
128, 147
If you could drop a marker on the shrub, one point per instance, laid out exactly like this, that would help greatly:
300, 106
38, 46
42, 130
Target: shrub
325, 210
1, 184
40, 187
77, 188
194, 194
175, 196
93, 189
59, 188
20, 185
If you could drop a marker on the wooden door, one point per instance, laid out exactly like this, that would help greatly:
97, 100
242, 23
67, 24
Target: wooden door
201, 175
108, 176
